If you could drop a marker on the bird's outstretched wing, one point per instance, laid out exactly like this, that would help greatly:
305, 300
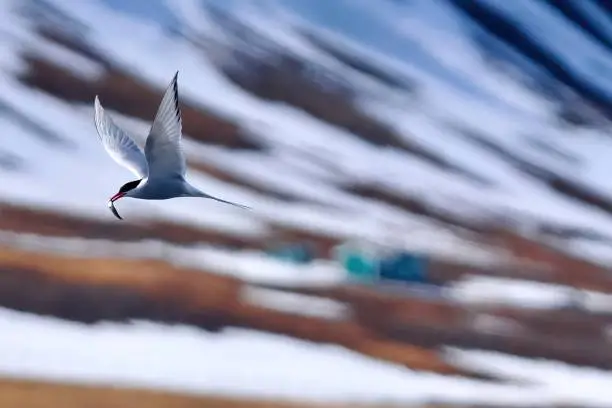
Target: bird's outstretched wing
163, 147
118, 143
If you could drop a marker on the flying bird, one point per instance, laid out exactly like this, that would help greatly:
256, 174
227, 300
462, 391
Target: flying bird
161, 168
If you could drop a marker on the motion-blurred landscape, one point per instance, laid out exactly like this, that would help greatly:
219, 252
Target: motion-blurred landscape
431, 194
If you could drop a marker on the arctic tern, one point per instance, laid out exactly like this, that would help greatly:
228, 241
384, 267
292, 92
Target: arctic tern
161, 168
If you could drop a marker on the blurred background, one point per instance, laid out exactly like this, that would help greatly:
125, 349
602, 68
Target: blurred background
431, 194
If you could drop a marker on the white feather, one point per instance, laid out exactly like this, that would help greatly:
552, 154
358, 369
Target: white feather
118, 143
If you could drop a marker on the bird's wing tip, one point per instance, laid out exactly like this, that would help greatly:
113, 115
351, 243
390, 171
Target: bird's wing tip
98, 110
97, 103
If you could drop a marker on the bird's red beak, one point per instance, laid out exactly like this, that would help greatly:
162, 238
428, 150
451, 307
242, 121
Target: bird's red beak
116, 197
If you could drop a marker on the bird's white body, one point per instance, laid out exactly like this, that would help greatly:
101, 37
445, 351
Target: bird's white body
161, 167
164, 189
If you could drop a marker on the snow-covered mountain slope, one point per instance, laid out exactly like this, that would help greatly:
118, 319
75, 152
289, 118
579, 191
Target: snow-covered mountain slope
406, 123
486, 143
420, 106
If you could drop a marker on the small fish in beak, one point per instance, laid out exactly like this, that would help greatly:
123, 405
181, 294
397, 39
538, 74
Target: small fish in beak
111, 205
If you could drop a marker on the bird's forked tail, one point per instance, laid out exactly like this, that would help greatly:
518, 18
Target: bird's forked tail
197, 193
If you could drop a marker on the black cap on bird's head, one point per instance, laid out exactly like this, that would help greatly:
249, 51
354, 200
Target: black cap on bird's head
122, 192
